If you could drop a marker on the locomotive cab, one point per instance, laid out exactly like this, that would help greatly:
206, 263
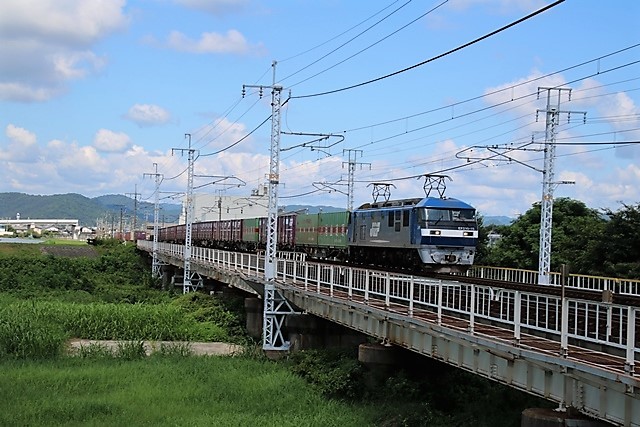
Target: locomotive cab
448, 234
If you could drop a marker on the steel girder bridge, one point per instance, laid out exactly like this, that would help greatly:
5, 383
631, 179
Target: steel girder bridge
582, 354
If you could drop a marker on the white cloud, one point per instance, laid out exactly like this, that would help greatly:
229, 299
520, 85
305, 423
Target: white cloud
111, 142
148, 115
231, 42
69, 22
71, 165
22, 147
23, 92
76, 65
518, 94
46, 43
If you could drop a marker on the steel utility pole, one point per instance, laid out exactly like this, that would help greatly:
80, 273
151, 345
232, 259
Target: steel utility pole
135, 195
155, 266
352, 156
191, 281
548, 183
275, 306
122, 224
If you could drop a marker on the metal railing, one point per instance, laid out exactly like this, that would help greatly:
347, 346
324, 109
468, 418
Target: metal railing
578, 281
562, 319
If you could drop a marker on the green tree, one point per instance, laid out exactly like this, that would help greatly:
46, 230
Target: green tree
482, 248
618, 251
577, 230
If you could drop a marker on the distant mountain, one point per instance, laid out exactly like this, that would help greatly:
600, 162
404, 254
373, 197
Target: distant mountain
497, 220
76, 206
109, 208
311, 209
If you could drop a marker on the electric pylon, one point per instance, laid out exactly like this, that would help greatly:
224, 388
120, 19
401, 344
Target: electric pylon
548, 183
191, 281
156, 264
352, 155
275, 306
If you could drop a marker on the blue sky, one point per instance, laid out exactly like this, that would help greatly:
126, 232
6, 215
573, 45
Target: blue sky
92, 94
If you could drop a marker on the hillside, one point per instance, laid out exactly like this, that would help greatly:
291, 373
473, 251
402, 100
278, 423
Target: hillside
76, 206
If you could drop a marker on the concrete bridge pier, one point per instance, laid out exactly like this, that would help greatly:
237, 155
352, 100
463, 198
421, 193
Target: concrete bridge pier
254, 310
306, 331
546, 417
381, 360
168, 272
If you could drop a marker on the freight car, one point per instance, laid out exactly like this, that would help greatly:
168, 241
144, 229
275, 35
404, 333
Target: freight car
439, 234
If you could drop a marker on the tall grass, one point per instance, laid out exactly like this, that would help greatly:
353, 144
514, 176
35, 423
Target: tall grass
166, 391
38, 329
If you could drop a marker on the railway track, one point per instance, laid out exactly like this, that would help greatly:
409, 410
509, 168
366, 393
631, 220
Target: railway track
551, 290
569, 292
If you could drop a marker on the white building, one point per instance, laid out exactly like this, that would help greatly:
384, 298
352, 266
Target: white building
213, 207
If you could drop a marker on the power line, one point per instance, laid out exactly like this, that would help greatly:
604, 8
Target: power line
512, 87
371, 45
488, 107
228, 147
442, 55
339, 35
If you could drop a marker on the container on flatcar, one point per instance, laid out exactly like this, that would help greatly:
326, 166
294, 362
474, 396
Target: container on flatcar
332, 229
251, 230
307, 230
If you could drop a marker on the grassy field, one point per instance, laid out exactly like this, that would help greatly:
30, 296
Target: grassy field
166, 391
49, 297
46, 298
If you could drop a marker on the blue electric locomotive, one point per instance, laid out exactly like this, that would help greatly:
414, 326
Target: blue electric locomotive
439, 233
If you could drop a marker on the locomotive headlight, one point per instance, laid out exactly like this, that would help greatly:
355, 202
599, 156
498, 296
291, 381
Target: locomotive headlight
467, 233
434, 232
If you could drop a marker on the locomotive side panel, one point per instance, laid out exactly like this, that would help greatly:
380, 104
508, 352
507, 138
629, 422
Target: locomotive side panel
387, 228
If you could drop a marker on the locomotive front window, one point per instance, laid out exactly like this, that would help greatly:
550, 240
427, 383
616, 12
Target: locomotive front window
433, 217
463, 214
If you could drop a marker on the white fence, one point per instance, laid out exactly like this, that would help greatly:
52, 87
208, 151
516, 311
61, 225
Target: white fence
605, 324
578, 281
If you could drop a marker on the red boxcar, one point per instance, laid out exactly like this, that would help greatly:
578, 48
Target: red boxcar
287, 231
202, 231
230, 230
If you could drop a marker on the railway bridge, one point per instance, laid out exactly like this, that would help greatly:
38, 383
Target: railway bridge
576, 343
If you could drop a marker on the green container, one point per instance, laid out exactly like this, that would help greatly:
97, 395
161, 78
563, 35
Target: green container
307, 230
251, 230
332, 229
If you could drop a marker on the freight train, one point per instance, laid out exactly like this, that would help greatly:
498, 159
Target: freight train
434, 234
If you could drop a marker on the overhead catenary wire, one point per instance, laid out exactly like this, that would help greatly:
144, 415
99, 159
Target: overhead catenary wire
339, 35
369, 46
442, 55
531, 94
507, 88
542, 77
